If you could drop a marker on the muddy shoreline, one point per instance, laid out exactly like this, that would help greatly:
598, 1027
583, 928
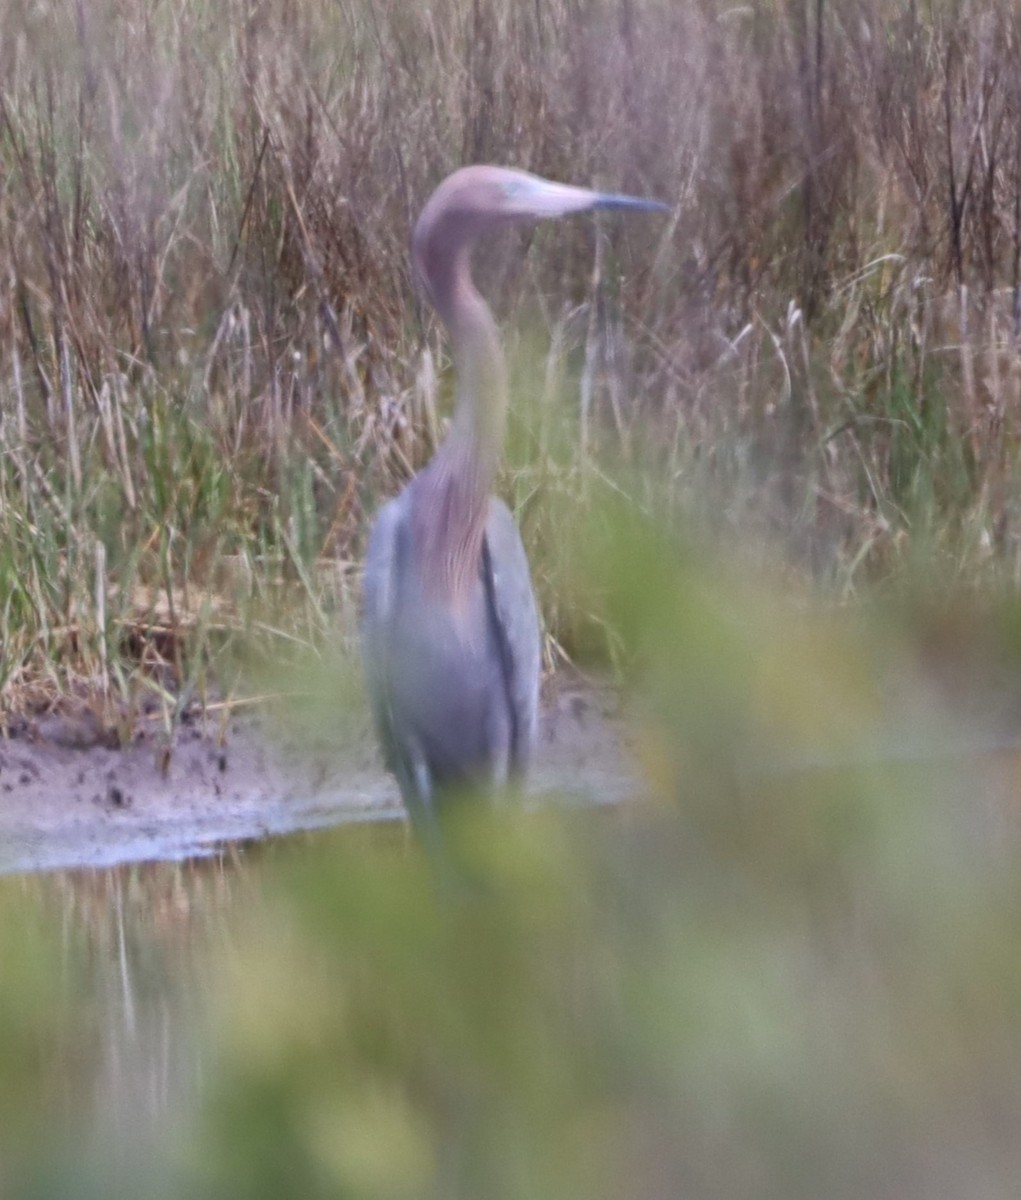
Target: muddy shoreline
68, 801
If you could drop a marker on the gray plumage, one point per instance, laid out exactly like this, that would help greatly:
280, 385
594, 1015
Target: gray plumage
454, 693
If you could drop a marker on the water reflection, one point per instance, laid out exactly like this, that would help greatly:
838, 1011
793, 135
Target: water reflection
136, 952
139, 942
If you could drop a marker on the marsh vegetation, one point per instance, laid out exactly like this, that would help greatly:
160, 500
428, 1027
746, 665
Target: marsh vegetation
214, 364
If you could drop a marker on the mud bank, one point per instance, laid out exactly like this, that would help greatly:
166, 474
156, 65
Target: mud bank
67, 802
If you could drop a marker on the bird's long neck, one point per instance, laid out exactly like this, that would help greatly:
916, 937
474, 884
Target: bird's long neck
476, 435
458, 482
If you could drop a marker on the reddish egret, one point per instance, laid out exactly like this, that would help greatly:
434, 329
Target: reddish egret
450, 628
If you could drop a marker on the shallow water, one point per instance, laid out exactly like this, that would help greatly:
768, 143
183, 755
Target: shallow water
143, 949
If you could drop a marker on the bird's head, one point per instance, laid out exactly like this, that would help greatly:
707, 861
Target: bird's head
477, 199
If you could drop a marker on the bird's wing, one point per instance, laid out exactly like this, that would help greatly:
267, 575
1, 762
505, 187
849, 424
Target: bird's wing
516, 619
379, 597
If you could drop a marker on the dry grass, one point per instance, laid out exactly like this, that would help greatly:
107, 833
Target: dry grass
214, 364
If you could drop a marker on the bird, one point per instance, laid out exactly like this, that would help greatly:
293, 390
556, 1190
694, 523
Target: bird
450, 627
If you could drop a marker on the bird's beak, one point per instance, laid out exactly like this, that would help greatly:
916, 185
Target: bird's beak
531, 196
636, 203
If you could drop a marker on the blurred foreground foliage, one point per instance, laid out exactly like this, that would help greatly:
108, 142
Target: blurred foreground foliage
790, 968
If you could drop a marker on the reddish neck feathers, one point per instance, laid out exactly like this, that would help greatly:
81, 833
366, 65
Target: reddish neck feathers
453, 500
